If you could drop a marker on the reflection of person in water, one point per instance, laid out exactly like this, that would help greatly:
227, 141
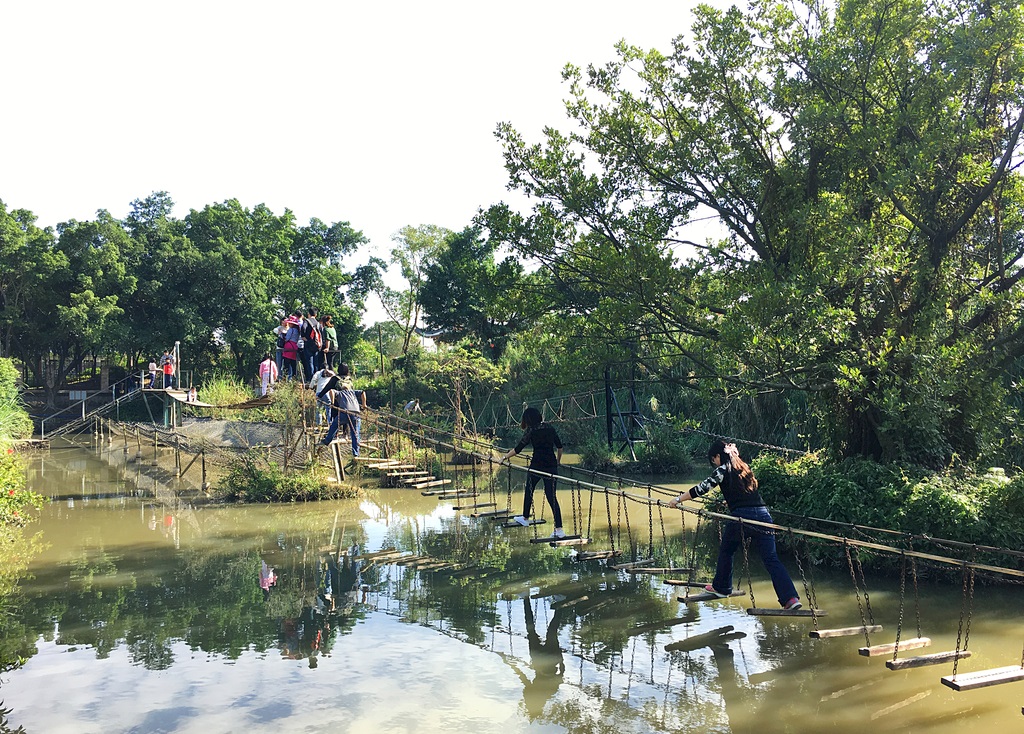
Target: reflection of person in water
738, 701
545, 659
267, 579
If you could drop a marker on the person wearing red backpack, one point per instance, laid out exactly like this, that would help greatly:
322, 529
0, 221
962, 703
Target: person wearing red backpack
312, 344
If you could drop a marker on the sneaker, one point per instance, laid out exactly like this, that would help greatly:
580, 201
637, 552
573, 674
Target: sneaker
559, 533
521, 520
792, 604
712, 590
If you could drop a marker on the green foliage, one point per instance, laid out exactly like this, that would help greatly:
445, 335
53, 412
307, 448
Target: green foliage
983, 509
222, 389
251, 479
868, 192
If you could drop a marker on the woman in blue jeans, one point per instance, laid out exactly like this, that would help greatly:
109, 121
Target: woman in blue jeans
739, 488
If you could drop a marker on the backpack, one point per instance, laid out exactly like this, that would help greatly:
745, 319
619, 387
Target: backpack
315, 335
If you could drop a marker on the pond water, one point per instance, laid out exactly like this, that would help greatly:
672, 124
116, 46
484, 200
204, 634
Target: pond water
144, 613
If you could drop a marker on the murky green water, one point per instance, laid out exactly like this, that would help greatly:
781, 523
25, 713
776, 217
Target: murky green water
145, 614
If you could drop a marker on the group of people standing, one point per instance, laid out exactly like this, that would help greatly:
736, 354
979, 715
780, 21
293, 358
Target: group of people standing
309, 341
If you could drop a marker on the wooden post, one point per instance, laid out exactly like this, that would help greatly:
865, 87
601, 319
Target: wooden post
206, 484
154, 449
177, 456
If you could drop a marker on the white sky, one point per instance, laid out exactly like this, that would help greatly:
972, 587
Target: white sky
381, 114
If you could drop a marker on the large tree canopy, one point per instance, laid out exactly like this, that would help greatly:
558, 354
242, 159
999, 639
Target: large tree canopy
862, 157
220, 277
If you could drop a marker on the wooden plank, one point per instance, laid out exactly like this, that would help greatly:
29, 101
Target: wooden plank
407, 474
920, 661
457, 495
494, 513
659, 570
844, 632
552, 539
706, 596
462, 508
983, 678
690, 584
889, 648
431, 483
570, 540
517, 525
761, 612
632, 564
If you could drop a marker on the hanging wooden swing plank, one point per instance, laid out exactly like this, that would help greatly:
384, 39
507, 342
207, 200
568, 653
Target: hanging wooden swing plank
517, 525
633, 564
463, 508
765, 612
921, 660
570, 540
552, 539
597, 555
890, 647
690, 584
706, 596
983, 678
845, 632
493, 513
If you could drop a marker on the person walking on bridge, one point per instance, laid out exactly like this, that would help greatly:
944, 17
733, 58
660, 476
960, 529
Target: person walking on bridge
739, 488
547, 455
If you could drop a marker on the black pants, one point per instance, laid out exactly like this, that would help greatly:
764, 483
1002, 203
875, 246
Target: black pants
549, 492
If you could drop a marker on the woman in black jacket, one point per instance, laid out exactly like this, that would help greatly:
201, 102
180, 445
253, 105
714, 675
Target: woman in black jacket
547, 454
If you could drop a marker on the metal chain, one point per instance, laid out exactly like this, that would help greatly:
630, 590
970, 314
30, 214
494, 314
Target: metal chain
808, 591
856, 591
903, 590
745, 542
963, 612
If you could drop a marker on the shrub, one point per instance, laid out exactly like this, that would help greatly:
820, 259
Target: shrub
250, 479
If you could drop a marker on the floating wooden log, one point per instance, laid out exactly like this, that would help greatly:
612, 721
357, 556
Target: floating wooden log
632, 564
597, 555
983, 678
765, 612
919, 661
887, 649
844, 632
659, 570
706, 596
722, 634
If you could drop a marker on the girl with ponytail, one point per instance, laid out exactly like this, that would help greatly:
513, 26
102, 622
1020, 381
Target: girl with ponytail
739, 489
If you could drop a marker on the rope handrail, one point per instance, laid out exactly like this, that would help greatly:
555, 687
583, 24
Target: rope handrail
867, 544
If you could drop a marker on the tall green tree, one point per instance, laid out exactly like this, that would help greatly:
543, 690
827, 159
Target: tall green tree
466, 293
862, 157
